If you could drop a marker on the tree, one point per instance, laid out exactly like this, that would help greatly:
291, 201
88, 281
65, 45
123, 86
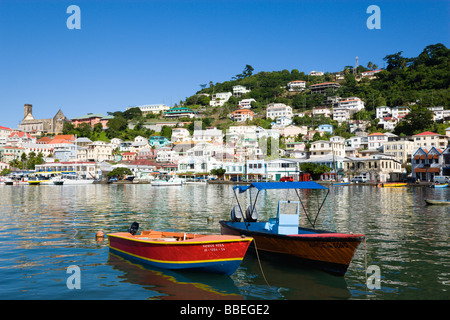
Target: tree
314, 169
219, 172
119, 173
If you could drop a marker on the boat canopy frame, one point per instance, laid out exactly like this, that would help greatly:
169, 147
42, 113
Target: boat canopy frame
302, 185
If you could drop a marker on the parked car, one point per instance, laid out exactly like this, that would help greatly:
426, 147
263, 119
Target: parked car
236, 178
287, 179
358, 179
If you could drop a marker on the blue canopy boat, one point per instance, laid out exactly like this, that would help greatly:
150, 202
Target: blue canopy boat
283, 237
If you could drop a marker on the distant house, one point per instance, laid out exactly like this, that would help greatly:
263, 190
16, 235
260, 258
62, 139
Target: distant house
324, 87
297, 85
326, 128
376, 140
242, 115
316, 73
91, 119
219, 99
370, 74
152, 108
158, 141
429, 139
275, 110
239, 90
180, 112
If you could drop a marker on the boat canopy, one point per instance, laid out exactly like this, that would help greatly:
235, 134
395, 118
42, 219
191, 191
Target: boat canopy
281, 185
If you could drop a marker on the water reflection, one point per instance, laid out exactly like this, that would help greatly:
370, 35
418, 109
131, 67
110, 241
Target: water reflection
44, 229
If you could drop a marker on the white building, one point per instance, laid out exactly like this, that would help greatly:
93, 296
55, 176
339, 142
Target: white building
316, 73
323, 148
208, 135
297, 85
239, 90
376, 140
219, 99
275, 110
152, 108
351, 103
246, 103
180, 135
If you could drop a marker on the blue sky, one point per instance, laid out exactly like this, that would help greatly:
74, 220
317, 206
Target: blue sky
138, 52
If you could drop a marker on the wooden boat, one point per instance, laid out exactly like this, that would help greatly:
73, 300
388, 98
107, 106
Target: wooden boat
284, 238
392, 185
175, 250
439, 202
441, 185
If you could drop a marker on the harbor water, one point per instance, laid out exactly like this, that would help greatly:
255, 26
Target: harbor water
47, 231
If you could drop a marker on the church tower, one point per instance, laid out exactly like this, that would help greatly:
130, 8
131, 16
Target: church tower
27, 110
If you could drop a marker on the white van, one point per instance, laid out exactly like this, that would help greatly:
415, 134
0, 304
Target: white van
359, 179
441, 179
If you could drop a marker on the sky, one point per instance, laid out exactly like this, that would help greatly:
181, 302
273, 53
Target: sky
136, 52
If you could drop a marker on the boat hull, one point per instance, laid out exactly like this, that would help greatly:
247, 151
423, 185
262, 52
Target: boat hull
392, 185
214, 253
438, 202
327, 251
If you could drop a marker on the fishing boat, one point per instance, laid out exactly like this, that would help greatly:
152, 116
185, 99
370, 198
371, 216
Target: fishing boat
439, 185
438, 202
282, 235
176, 250
392, 185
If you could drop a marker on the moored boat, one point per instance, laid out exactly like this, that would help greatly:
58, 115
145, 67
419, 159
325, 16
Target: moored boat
167, 182
283, 237
439, 185
392, 185
438, 202
176, 250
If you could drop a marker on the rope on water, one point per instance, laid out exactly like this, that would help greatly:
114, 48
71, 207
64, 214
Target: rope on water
260, 267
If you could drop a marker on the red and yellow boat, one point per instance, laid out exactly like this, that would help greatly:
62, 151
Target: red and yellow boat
175, 250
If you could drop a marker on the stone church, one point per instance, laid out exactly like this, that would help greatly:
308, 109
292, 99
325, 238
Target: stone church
42, 126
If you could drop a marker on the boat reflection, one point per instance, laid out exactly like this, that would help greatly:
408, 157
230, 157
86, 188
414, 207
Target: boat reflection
180, 285
293, 281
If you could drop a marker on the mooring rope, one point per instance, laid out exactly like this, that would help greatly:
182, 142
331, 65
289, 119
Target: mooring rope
260, 266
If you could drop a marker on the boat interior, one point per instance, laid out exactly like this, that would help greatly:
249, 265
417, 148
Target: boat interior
286, 221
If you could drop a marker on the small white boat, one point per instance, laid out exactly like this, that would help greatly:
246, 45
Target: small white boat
70, 179
167, 182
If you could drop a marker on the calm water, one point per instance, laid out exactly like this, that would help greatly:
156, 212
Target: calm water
46, 229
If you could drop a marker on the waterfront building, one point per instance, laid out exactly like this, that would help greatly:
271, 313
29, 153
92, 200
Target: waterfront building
282, 167
377, 168
85, 170
400, 149
426, 164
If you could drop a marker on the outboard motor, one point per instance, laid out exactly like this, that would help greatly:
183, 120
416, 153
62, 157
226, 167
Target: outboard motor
133, 228
236, 214
251, 214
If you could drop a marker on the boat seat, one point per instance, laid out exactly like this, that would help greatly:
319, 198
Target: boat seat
287, 223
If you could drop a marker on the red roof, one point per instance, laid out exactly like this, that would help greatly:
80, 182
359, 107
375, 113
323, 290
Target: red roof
4, 128
377, 134
427, 133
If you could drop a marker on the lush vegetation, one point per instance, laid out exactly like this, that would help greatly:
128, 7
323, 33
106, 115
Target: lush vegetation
417, 82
